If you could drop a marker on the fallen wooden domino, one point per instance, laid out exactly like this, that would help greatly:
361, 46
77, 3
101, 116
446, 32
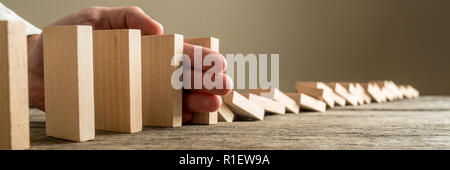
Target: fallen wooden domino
360, 89
267, 104
308, 102
351, 89
243, 107
14, 118
319, 85
69, 82
213, 44
339, 89
161, 103
388, 89
277, 95
321, 94
117, 80
225, 114
374, 92
412, 92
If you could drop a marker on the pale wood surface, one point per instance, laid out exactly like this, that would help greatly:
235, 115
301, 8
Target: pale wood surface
14, 116
321, 94
267, 104
69, 89
161, 103
225, 114
277, 95
213, 44
117, 80
422, 123
307, 102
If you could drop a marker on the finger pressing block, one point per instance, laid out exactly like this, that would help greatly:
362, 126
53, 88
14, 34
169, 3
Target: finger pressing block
213, 44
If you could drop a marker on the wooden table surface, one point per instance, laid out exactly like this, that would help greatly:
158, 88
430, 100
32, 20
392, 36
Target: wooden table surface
422, 123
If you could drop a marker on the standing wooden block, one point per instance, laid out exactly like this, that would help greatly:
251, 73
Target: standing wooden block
277, 95
337, 99
340, 90
308, 102
321, 94
243, 107
69, 82
117, 80
205, 118
267, 104
213, 44
161, 103
225, 114
14, 122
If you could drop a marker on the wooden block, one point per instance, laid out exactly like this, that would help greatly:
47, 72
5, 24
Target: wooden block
277, 95
321, 94
161, 103
351, 89
225, 113
414, 93
213, 44
205, 118
374, 92
267, 104
69, 82
117, 80
308, 102
362, 92
340, 90
389, 89
337, 99
14, 121
243, 107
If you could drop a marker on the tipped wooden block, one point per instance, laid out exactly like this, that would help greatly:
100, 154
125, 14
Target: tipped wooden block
339, 89
213, 44
362, 92
117, 80
374, 91
389, 89
351, 89
277, 95
267, 104
412, 92
308, 102
337, 99
205, 118
161, 103
69, 82
14, 122
243, 107
225, 113
321, 94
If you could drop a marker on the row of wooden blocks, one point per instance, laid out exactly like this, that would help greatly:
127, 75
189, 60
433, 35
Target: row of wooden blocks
312, 96
113, 80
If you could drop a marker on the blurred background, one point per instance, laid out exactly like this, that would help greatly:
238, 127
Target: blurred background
407, 41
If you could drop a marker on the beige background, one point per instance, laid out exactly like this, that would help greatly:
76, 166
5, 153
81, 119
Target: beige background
329, 40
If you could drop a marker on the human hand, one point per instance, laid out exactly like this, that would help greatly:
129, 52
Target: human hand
195, 100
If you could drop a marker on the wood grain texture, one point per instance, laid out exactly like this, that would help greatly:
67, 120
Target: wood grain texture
225, 114
421, 123
117, 80
69, 82
340, 90
277, 95
307, 102
269, 105
213, 44
321, 94
161, 103
320, 85
243, 107
14, 112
